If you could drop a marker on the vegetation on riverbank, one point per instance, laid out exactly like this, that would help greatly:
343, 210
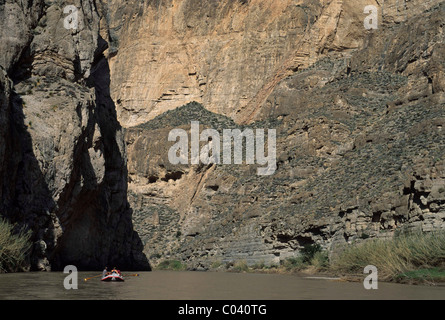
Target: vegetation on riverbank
433, 275
412, 258
311, 259
407, 258
13, 247
174, 265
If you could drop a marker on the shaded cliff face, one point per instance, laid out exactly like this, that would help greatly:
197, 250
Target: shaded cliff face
62, 156
358, 115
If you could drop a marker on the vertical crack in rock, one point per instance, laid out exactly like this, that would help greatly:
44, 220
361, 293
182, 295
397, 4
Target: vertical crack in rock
62, 157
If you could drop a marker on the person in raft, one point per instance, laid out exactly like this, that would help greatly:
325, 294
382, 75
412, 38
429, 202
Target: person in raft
104, 273
115, 271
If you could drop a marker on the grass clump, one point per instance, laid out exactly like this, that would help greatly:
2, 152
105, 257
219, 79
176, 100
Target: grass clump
174, 265
422, 275
240, 266
216, 264
293, 264
320, 261
401, 258
13, 247
312, 257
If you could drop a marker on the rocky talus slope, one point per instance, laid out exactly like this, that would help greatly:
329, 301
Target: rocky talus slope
62, 153
359, 116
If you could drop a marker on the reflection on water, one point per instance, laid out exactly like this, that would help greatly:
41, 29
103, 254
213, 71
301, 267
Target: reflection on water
174, 285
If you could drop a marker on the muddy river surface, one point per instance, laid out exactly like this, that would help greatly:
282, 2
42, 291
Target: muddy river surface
177, 285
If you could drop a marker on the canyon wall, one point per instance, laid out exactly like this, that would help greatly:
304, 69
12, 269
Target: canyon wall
62, 156
90, 95
358, 113
227, 55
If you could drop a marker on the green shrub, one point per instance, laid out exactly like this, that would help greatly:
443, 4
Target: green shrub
13, 247
240, 266
261, 265
294, 264
311, 256
320, 260
171, 265
308, 252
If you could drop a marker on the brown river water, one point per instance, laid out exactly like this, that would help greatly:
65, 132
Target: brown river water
178, 285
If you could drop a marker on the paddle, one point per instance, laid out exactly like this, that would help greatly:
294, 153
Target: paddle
99, 275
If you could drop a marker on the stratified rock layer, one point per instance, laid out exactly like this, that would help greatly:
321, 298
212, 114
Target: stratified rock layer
359, 144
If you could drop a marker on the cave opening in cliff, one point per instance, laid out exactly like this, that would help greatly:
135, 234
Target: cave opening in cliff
175, 175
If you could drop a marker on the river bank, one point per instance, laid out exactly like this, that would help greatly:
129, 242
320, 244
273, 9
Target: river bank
409, 258
414, 258
425, 276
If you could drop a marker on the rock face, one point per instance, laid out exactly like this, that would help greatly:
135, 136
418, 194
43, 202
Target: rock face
62, 156
228, 55
218, 53
359, 116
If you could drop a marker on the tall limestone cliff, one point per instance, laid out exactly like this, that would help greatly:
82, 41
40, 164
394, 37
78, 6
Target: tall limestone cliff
62, 155
358, 112
228, 55
359, 116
